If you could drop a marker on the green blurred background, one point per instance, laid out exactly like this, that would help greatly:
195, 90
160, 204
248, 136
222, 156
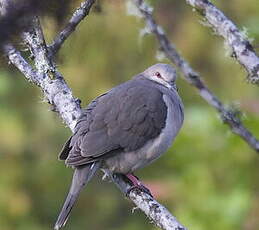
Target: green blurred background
208, 179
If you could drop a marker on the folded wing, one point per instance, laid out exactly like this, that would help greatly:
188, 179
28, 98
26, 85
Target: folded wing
123, 119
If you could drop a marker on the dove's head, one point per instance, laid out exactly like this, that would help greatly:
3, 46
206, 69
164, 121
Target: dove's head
163, 74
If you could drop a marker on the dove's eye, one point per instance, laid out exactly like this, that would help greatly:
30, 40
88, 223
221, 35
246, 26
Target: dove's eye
157, 74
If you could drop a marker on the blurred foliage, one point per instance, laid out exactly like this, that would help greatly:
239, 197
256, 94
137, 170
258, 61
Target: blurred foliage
208, 179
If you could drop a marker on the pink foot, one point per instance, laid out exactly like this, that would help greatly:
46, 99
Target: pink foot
136, 184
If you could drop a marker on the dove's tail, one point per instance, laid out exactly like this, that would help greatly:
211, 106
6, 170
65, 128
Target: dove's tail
81, 177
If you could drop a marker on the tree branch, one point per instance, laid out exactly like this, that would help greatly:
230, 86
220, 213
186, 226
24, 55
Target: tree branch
76, 18
228, 116
236, 40
17, 60
52, 83
59, 95
159, 215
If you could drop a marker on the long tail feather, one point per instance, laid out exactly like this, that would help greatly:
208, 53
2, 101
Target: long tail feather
82, 175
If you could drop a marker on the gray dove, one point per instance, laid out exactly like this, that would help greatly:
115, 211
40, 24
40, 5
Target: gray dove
123, 130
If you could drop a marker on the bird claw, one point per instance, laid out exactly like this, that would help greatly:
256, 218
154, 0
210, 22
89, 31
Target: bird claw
105, 176
136, 184
141, 187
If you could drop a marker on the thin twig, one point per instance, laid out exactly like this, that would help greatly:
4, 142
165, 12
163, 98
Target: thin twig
235, 39
228, 116
76, 18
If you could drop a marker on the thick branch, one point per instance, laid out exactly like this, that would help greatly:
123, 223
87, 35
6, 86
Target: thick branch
59, 94
17, 60
241, 47
228, 116
76, 18
53, 84
159, 215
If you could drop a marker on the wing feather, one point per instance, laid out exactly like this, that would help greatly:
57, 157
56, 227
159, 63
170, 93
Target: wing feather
123, 119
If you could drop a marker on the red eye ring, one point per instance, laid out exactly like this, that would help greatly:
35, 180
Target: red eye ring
158, 75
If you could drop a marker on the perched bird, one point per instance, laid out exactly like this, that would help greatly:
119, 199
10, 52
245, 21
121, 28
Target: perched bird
123, 130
